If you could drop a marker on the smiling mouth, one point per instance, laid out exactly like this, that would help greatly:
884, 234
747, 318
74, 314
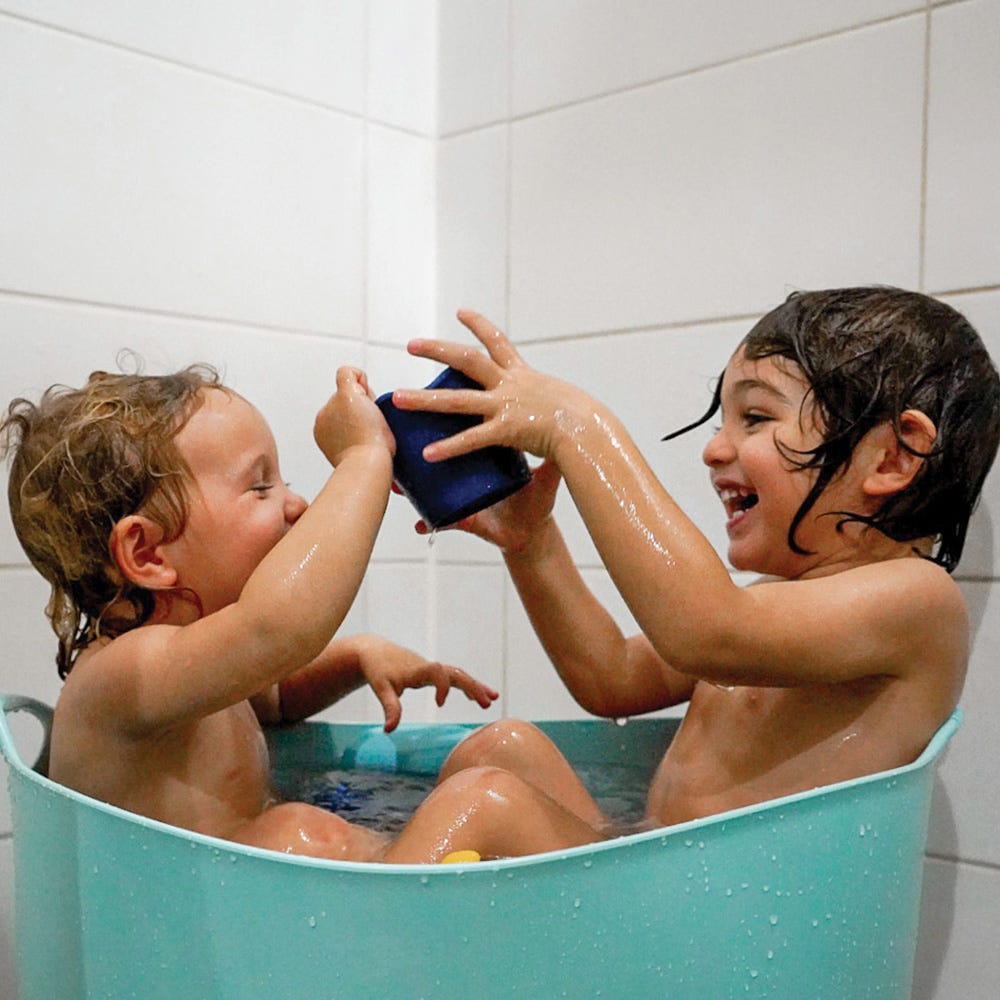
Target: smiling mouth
737, 501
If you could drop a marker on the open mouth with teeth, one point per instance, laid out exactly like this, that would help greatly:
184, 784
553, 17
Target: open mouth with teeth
737, 501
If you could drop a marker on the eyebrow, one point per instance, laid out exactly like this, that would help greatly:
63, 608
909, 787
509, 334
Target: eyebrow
745, 385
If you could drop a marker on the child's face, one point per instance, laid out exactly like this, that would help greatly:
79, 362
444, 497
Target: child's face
240, 507
761, 490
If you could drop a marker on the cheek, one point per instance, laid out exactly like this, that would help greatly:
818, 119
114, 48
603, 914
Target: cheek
267, 528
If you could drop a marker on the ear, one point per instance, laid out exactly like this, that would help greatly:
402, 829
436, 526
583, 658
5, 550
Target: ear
898, 458
136, 545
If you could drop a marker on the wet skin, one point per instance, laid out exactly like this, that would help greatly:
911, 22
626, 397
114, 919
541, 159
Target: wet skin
844, 665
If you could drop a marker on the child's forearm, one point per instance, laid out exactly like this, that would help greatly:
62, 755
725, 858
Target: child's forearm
331, 676
583, 641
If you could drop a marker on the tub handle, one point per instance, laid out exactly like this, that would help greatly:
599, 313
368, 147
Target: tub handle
20, 703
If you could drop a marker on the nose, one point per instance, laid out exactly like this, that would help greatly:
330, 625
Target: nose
294, 506
719, 449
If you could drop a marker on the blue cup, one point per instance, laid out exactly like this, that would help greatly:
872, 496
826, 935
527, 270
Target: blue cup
445, 492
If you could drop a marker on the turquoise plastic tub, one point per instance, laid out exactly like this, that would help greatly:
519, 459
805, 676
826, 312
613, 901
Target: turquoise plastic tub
814, 895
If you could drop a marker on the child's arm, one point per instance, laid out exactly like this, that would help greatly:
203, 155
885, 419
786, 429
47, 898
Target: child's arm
348, 663
608, 674
884, 619
164, 675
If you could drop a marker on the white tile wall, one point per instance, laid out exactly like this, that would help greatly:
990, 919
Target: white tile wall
963, 196
142, 184
472, 228
965, 821
472, 63
402, 64
309, 48
402, 236
956, 951
623, 184
564, 53
706, 195
470, 627
982, 548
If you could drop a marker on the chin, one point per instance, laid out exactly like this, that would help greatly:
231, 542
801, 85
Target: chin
747, 562
741, 560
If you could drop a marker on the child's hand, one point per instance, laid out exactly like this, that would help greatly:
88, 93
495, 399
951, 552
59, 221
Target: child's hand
350, 418
513, 523
521, 408
390, 669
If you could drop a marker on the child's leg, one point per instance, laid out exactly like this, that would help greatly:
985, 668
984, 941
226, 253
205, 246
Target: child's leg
524, 750
299, 828
491, 811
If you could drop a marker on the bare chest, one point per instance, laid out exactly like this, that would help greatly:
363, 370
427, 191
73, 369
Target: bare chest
738, 746
208, 776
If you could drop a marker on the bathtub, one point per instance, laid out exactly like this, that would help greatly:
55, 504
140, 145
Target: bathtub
814, 895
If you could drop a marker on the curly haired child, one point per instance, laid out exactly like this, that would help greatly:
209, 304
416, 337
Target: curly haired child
195, 595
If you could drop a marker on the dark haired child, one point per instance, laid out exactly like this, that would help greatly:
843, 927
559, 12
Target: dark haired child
857, 427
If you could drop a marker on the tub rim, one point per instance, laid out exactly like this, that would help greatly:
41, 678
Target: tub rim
44, 714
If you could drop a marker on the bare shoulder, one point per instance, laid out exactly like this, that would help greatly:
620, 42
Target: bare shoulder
917, 590
914, 611
109, 681
882, 619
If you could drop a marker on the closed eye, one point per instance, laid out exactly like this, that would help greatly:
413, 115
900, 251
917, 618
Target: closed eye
752, 418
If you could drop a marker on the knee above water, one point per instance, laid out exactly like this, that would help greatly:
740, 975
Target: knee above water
503, 732
482, 784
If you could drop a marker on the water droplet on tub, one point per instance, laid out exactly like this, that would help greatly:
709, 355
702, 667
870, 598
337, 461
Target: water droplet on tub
773, 918
312, 921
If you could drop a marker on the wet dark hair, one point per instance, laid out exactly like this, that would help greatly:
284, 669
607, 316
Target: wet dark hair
869, 354
81, 460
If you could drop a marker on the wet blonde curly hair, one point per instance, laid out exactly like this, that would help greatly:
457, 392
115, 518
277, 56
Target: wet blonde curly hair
80, 461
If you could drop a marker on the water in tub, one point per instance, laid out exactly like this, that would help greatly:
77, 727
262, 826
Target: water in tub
385, 800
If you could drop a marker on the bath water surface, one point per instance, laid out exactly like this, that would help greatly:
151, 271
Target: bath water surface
385, 801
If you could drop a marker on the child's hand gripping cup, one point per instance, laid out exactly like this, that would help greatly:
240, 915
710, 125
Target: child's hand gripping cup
445, 492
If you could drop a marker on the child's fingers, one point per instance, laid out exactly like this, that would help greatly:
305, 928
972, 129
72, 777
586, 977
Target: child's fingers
391, 705
462, 443
474, 690
442, 682
501, 350
441, 400
348, 376
444, 678
463, 357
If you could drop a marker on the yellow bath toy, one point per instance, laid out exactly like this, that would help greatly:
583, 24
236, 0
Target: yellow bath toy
460, 857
